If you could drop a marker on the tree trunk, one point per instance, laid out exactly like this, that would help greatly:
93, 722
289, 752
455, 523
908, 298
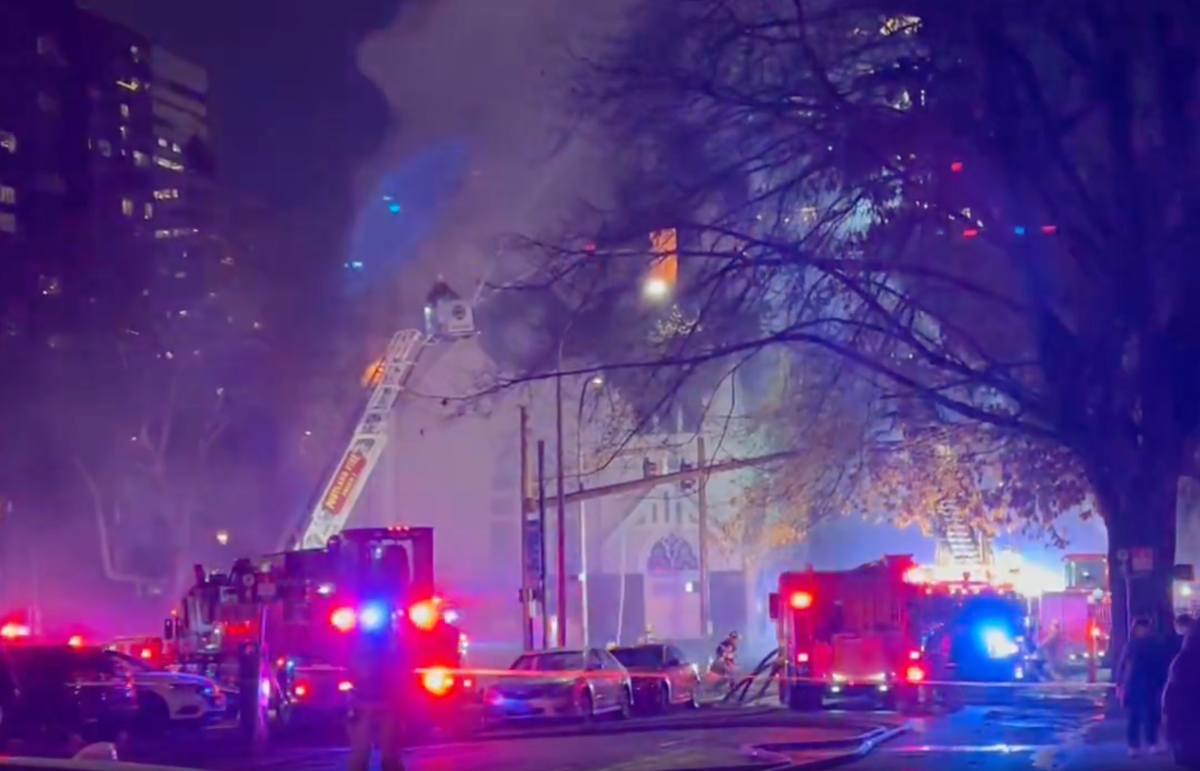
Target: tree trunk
1139, 507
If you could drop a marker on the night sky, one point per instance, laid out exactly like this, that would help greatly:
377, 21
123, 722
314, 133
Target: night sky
293, 118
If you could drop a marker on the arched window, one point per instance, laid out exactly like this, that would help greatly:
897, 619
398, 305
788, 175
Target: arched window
672, 554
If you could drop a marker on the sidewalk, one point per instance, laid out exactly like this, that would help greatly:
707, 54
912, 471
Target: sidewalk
1100, 744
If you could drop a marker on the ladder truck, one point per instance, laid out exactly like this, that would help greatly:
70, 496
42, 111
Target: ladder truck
448, 318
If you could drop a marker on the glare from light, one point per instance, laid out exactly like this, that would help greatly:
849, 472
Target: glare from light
597, 381
1185, 590
343, 619
325, 590
999, 644
76, 641
656, 289
223, 537
11, 631
373, 617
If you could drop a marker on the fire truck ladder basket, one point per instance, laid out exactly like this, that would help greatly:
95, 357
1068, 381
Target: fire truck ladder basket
740, 692
963, 544
341, 492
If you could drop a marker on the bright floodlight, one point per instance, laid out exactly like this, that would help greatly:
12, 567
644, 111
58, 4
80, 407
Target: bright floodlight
597, 381
656, 289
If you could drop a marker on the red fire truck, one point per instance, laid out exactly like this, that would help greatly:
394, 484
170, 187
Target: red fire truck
864, 631
306, 606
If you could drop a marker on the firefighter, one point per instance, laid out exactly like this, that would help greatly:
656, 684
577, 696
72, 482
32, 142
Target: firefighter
382, 671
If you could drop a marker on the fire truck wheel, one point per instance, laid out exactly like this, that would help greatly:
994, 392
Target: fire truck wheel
664, 697
803, 698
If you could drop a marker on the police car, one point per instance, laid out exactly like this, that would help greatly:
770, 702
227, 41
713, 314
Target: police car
169, 699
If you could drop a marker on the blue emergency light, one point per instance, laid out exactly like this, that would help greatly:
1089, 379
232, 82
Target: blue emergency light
999, 643
373, 617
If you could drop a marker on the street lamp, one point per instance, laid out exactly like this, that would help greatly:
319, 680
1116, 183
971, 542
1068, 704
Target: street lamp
656, 289
594, 382
223, 537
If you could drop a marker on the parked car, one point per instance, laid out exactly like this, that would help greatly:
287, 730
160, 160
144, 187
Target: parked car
171, 699
57, 691
662, 676
562, 683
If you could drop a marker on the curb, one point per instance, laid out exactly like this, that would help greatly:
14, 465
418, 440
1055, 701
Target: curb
855, 748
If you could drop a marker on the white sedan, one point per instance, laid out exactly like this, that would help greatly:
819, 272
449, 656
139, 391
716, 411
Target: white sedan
174, 698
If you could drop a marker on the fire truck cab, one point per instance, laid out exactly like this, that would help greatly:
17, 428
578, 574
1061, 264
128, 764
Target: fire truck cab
309, 608
848, 632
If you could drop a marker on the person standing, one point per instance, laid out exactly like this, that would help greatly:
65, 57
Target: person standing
1141, 675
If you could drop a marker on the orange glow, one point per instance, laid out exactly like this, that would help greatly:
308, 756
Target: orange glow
914, 674
12, 631
801, 600
424, 615
373, 375
437, 681
76, 641
344, 619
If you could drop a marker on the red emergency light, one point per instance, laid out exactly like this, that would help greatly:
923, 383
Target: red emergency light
13, 631
344, 619
438, 681
146, 654
914, 674
801, 600
75, 641
425, 615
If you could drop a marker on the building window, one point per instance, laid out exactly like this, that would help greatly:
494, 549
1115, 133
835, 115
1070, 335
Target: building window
8, 141
124, 132
8, 222
167, 163
147, 210
127, 207
166, 195
140, 158
125, 111
50, 286
162, 142
8, 194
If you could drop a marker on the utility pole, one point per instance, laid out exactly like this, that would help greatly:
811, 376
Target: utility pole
528, 576
702, 521
560, 513
541, 473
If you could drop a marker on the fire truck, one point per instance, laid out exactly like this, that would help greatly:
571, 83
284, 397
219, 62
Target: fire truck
1082, 611
305, 609
883, 630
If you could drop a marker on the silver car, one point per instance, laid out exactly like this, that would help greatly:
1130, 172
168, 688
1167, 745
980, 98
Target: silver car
561, 683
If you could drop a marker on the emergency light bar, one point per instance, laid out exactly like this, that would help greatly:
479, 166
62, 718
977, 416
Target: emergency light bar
801, 600
374, 617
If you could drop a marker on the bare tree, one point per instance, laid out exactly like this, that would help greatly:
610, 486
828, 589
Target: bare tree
987, 207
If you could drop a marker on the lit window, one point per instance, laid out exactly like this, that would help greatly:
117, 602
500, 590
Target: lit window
125, 111
147, 210
167, 163
8, 141
140, 158
127, 207
49, 285
175, 148
8, 222
8, 194
808, 214
162, 142
166, 195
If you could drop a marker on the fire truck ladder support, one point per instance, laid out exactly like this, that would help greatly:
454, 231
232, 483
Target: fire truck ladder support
366, 446
963, 543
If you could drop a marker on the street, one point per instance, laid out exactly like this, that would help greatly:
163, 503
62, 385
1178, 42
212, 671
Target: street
1028, 730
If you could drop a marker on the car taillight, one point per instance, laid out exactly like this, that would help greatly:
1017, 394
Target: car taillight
801, 600
424, 615
437, 681
914, 674
344, 619
300, 690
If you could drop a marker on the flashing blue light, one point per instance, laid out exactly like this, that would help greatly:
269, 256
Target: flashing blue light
373, 617
1019, 230
999, 643
394, 208
356, 265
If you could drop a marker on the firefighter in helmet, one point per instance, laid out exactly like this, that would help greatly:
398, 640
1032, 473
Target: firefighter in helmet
381, 668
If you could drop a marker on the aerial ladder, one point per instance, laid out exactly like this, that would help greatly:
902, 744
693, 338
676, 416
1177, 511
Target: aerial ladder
960, 545
447, 318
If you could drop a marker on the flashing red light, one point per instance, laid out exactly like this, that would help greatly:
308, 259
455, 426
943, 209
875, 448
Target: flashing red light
75, 641
914, 674
914, 655
801, 658
343, 619
956, 167
345, 686
146, 654
801, 600
438, 681
971, 233
300, 690
12, 631
424, 615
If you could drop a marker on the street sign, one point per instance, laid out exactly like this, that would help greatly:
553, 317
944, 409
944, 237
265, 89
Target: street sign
532, 539
1141, 560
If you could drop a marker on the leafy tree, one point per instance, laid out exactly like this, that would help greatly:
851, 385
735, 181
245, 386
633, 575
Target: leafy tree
987, 207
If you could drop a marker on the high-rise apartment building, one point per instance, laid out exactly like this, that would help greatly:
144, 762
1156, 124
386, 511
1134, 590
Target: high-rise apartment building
102, 136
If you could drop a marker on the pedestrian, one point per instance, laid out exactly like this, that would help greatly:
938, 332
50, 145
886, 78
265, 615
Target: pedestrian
1051, 650
1140, 676
1181, 702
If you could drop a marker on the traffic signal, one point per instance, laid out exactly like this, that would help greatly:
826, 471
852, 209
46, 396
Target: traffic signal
686, 485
